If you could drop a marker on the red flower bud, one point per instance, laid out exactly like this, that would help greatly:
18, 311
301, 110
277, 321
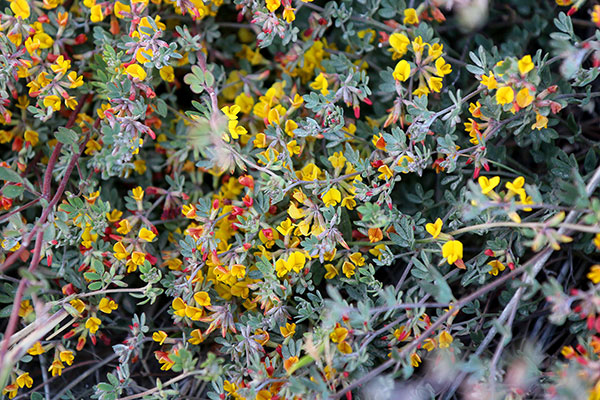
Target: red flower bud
489, 252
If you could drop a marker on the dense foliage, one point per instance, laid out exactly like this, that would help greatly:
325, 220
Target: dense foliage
299, 200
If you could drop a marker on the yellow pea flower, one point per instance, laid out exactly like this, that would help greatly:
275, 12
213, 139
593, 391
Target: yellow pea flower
66, 356
452, 250
401, 71
25, 380
524, 98
20, 8
410, 17
525, 64
137, 193
167, 73
146, 235
159, 337
287, 330
273, 5
202, 299
92, 324
489, 81
505, 95
321, 84
445, 339
331, 198
487, 185
135, 70
97, 14
52, 101
594, 274
107, 305
434, 229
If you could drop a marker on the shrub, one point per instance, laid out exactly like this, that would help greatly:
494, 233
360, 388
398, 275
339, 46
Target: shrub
277, 200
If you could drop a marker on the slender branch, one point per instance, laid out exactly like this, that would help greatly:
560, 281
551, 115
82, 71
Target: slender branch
167, 383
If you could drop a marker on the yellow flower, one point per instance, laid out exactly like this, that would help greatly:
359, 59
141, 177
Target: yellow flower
288, 14
375, 235
289, 363
137, 193
435, 83
434, 229
399, 44
92, 324
487, 185
119, 251
25, 380
273, 5
442, 68
36, 350
167, 73
61, 66
505, 95
231, 111
287, 330
516, 187
357, 259
401, 71
78, 305
332, 272
524, 98
20, 8
385, 172
489, 81
452, 250
330, 198
244, 102
202, 299
410, 17
337, 160
56, 368
11, 390
540, 122
159, 337
97, 14
52, 101
296, 262
415, 360
238, 270
135, 70
321, 84
179, 307
285, 227
146, 235
107, 305
445, 339
124, 227
594, 274
339, 334
66, 356
597, 241
25, 308
120, 7
196, 337
236, 130
525, 64
348, 269
497, 266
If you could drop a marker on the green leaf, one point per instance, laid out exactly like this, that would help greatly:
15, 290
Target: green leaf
12, 191
66, 136
7, 174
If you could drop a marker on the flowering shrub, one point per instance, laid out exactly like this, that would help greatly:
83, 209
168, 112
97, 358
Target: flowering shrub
292, 200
